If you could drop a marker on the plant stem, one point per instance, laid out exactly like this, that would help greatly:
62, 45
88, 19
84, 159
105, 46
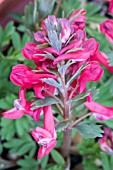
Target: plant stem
59, 108
81, 118
65, 149
58, 7
54, 97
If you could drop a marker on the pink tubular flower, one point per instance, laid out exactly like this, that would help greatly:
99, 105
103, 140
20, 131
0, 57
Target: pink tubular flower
22, 75
111, 6
106, 142
21, 107
93, 72
46, 136
88, 48
102, 58
78, 19
40, 37
99, 111
106, 28
66, 30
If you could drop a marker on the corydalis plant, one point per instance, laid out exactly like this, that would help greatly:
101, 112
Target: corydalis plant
65, 62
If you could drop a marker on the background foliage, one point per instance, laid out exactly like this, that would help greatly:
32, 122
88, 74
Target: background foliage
17, 148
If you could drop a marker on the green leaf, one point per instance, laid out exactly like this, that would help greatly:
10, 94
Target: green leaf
62, 126
26, 148
52, 82
1, 35
43, 162
89, 164
105, 161
19, 127
1, 148
25, 39
54, 41
92, 9
89, 129
28, 163
16, 16
9, 30
108, 123
80, 96
47, 55
8, 129
76, 75
43, 102
62, 69
49, 4
7, 102
110, 58
16, 41
57, 157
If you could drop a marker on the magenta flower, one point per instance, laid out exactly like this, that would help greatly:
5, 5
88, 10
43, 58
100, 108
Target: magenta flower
111, 6
40, 36
46, 136
82, 53
92, 72
106, 28
39, 90
78, 19
102, 58
29, 50
99, 111
106, 142
21, 107
23, 76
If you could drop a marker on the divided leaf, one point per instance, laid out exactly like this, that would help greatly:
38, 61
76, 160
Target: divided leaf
43, 102
57, 157
89, 129
62, 69
62, 126
52, 82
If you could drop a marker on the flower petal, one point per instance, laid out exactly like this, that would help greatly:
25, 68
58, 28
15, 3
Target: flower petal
100, 112
40, 36
79, 55
106, 28
102, 58
93, 72
49, 120
13, 114
44, 150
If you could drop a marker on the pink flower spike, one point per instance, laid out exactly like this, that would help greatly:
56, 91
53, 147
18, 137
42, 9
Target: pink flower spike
99, 111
